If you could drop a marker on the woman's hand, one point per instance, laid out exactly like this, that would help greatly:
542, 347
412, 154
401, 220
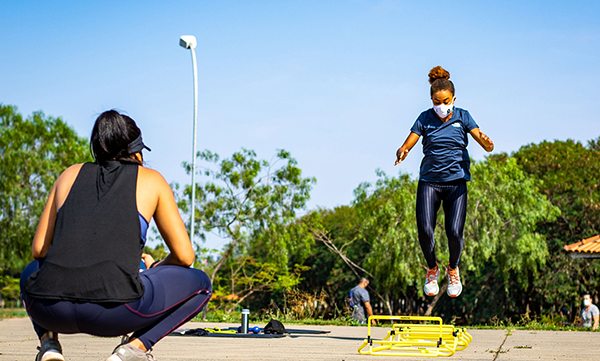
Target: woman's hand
410, 142
401, 154
148, 260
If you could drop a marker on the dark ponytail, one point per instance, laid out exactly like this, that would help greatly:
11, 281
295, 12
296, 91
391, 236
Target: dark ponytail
111, 136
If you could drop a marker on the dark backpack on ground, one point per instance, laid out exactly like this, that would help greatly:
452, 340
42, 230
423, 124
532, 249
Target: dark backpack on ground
275, 327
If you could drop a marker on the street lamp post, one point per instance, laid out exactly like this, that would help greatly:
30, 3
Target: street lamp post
189, 42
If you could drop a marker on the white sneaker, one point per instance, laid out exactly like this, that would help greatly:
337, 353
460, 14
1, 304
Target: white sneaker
454, 284
431, 281
127, 352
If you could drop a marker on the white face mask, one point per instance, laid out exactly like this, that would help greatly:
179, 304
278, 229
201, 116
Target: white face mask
443, 110
587, 302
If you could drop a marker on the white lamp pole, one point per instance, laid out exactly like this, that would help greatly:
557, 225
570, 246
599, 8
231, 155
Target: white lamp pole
189, 42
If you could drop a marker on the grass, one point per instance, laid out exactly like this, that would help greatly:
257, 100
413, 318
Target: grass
544, 323
529, 327
12, 313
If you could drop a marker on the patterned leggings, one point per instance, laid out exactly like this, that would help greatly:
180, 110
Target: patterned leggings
453, 196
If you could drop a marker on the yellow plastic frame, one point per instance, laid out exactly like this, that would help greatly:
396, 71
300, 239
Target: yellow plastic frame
414, 339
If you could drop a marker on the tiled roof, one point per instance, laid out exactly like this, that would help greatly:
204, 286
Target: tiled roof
590, 245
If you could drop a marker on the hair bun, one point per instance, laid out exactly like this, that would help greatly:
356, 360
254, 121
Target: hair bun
438, 73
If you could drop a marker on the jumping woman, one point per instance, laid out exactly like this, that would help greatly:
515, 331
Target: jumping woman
443, 176
88, 249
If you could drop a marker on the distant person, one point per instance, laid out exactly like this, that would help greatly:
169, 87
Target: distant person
590, 313
359, 298
443, 176
88, 251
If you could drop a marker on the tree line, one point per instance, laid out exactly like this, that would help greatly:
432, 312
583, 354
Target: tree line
280, 257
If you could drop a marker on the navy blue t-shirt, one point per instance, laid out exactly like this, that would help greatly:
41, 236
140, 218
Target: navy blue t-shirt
444, 145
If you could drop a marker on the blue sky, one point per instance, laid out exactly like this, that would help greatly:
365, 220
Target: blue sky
336, 83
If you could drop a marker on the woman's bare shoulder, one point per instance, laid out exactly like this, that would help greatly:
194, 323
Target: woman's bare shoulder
64, 183
151, 177
69, 174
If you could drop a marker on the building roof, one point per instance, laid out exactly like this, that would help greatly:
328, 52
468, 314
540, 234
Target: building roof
590, 246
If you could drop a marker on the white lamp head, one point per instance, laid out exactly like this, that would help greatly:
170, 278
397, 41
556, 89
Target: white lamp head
188, 41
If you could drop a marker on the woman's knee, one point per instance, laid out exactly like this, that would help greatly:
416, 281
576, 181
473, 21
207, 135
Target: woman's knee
202, 280
180, 278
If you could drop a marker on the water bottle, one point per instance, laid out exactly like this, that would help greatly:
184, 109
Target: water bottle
245, 315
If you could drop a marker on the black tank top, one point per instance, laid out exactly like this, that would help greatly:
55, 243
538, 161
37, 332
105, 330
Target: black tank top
96, 249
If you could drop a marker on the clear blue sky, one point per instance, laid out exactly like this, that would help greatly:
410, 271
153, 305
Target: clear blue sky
336, 83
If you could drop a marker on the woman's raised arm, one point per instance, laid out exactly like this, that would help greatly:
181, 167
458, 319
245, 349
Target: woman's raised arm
483, 140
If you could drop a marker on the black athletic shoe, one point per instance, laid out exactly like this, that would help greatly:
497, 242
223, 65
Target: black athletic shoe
50, 350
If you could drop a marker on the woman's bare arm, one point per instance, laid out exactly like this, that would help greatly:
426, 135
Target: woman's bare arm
155, 199
410, 142
45, 229
483, 140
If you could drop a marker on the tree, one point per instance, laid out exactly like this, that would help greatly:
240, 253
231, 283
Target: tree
33, 153
245, 277
248, 198
594, 144
568, 173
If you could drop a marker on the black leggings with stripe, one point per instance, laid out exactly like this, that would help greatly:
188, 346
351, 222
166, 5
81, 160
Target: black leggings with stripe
453, 197
172, 296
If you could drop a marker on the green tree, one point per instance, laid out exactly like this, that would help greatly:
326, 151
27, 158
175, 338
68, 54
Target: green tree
246, 198
568, 172
244, 276
594, 144
33, 153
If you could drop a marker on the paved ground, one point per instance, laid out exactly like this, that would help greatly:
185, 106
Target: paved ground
18, 343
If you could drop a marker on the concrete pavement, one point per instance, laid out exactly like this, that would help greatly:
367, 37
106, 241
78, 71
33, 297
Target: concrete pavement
18, 343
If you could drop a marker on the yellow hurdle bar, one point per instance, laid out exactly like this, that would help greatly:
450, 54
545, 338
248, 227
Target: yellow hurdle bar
414, 339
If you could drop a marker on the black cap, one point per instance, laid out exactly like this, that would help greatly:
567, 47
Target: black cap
136, 146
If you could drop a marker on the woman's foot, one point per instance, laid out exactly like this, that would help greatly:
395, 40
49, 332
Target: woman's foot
50, 349
454, 284
431, 281
128, 352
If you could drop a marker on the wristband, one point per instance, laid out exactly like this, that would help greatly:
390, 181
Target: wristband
154, 264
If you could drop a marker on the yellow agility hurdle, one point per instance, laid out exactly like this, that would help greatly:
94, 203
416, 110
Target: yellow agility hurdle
417, 340
452, 339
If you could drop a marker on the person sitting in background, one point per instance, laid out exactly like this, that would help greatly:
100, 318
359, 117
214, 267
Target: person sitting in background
590, 313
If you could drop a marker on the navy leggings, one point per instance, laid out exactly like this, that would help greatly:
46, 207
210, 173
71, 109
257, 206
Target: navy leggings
173, 295
453, 196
